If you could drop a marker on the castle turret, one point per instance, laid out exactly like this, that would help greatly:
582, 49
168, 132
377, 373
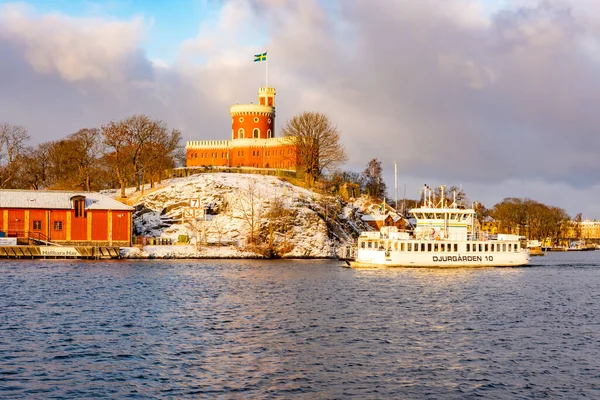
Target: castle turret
254, 120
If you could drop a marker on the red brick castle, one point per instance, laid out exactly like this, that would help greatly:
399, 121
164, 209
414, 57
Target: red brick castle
252, 144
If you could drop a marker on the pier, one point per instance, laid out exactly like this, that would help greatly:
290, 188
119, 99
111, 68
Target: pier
61, 252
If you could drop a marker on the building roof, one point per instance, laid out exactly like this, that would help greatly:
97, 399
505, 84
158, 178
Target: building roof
57, 200
376, 217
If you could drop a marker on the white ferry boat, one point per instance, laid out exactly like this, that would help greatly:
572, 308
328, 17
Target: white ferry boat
445, 235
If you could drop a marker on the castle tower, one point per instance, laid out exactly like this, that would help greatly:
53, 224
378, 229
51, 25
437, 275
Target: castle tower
256, 121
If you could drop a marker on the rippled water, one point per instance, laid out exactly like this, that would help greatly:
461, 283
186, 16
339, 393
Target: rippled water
299, 329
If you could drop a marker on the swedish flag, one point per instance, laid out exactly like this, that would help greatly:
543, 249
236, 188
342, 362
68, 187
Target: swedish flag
260, 57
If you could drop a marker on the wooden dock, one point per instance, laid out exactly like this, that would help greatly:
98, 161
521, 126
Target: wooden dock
61, 252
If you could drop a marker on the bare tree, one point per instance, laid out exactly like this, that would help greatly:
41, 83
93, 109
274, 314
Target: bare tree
318, 144
117, 139
138, 146
35, 173
87, 146
373, 179
250, 207
160, 153
12, 148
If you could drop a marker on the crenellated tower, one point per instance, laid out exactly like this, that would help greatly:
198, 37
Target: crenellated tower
254, 121
253, 142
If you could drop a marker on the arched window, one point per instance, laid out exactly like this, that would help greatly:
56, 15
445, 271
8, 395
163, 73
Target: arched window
256, 132
269, 134
241, 133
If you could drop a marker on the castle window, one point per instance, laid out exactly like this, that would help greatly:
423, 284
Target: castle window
256, 132
255, 119
241, 119
269, 120
241, 133
269, 134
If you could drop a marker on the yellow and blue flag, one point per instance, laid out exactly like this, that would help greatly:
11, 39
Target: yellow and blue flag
260, 57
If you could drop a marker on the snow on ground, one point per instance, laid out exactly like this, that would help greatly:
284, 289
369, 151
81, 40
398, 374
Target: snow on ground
219, 213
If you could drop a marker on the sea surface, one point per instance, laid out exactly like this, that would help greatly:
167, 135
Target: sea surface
299, 330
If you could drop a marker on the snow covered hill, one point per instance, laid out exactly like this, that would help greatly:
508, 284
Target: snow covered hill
242, 215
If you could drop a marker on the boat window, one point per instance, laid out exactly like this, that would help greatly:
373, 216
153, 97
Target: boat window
370, 245
455, 247
469, 247
429, 247
504, 247
422, 246
396, 246
401, 246
362, 245
409, 246
480, 247
516, 247
435, 247
442, 247
485, 247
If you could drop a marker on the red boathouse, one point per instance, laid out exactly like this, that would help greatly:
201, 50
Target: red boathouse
65, 217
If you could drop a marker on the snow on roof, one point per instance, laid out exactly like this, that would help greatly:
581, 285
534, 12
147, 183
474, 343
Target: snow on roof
371, 217
55, 199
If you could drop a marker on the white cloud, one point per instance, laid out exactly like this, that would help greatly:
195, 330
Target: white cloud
76, 49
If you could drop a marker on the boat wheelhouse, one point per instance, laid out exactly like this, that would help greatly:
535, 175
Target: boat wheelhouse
445, 235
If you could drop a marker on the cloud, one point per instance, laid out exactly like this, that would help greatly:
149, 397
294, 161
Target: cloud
75, 49
451, 92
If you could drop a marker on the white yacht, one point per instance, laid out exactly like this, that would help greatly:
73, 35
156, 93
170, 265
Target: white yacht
445, 235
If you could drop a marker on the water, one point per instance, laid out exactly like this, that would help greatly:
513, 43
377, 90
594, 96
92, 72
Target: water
299, 329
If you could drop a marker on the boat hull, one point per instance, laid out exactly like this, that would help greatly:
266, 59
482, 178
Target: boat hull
376, 258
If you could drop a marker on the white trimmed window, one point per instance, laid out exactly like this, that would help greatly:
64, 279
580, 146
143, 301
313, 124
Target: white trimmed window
241, 133
256, 132
269, 134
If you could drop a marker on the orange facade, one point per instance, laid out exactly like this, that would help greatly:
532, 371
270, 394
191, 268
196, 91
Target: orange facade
278, 156
252, 125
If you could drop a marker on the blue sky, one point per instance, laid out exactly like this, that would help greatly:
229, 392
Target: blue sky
169, 22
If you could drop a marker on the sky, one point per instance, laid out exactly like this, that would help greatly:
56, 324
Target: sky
496, 96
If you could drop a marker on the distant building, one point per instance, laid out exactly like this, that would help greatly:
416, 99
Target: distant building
252, 143
377, 221
83, 218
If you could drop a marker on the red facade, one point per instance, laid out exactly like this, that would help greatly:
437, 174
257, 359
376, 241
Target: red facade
75, 226
100, 225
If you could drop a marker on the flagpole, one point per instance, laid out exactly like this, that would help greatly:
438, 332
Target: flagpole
267, 70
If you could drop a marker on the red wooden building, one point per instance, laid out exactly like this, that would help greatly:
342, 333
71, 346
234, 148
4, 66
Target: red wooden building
81, 218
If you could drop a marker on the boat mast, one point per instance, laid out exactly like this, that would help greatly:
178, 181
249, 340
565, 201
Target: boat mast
396, 183
442, 188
